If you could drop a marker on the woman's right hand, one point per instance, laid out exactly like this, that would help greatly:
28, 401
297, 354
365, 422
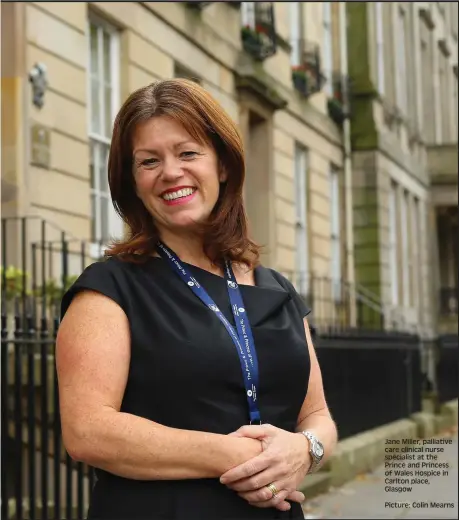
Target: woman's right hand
245, 449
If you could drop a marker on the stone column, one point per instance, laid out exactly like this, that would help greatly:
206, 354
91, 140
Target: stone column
14, 107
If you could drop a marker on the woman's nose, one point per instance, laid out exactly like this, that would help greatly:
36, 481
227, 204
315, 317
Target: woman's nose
171, 169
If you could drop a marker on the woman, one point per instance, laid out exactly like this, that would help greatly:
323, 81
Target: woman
187, 374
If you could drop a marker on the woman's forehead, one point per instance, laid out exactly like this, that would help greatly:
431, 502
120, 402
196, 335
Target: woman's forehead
161, 130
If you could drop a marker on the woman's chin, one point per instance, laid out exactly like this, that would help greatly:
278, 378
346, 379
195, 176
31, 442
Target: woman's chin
184, 223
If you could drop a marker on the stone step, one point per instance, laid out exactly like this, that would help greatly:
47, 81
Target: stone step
315, 484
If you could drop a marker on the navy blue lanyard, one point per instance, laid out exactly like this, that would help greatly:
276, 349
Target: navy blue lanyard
243, 339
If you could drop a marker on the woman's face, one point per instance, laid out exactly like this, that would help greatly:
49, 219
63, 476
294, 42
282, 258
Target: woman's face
176, 178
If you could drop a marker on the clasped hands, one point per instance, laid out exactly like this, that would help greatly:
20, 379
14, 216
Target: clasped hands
284, 462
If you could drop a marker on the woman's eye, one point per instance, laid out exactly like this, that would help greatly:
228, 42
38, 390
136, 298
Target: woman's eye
149, 162
188, 155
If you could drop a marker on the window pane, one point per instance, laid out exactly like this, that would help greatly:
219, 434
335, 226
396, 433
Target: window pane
104, 206
108, 111
93, 47
94, 236
92, 165
107, 59
95, 107
103, 159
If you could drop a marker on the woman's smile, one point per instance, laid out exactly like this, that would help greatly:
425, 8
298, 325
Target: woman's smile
180, 195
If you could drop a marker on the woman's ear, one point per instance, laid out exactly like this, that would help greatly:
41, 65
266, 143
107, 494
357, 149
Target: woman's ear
223, 176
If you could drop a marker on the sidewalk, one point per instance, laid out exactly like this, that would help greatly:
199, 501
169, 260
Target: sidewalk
365, 497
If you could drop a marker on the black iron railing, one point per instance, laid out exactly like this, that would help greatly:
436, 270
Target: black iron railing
393, 390
307, 74
259, 36
448, 301
447, 368
338, 305
338, 103
39, 480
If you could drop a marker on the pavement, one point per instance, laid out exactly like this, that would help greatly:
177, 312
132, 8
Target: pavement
366, 497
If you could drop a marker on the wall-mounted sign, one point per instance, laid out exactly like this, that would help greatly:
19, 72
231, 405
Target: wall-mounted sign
41, 146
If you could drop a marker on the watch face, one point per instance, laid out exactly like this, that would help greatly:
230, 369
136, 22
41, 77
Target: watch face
318, 449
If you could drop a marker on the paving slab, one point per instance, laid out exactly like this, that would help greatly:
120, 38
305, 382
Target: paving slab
367, 497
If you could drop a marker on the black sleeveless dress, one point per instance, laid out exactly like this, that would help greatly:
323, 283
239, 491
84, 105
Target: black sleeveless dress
185, 373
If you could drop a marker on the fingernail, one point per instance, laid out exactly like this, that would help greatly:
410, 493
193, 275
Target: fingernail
223, 481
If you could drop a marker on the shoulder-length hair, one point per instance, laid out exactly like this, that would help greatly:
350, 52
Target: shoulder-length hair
226, 232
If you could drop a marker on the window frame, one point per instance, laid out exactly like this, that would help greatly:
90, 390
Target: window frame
295, 26
99, 140
379, 19
401, 47
394, 245
248, 14
406, 263
327, 52
336, 273
301, 218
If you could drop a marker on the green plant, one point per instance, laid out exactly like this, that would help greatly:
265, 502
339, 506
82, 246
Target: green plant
54, 290
14, 281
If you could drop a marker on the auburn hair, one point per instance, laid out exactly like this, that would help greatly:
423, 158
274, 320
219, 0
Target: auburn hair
225, 234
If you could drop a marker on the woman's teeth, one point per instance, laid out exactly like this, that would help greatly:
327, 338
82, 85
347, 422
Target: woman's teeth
185, 192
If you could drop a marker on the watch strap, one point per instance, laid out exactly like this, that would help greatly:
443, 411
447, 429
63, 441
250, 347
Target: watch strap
315, 461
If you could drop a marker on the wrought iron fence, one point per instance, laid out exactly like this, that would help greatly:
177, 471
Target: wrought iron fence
370, 379
307, 74
448, 301
447, 368
338, 305
39, 262
338, 103
259, 37
39, 480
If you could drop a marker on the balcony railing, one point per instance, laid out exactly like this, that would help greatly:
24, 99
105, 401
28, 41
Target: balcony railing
448, 301
338, 104
259, 38
307, 75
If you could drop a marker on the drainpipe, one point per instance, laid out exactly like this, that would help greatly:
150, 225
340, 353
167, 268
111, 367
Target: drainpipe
347, 160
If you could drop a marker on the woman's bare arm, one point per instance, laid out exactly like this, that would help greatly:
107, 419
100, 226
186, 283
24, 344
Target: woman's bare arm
314, 414
92, 357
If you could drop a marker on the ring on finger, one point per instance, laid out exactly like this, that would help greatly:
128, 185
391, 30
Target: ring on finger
273, 489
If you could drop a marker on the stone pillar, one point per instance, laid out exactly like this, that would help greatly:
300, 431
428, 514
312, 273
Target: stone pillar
14, 106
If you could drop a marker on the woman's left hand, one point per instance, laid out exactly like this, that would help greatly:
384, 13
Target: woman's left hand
284, 462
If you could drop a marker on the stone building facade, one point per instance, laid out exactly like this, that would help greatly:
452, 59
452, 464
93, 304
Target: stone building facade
404, 141
339, 192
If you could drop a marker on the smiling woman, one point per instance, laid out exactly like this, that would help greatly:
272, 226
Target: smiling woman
174, 131
177, 179
187, 374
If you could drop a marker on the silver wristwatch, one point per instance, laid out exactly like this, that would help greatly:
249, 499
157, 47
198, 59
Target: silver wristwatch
316, 450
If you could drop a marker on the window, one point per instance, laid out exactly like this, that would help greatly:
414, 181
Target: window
393, 243
301, 232
415, 251
248, 14
444, 97
295, 32
328, 47
335, 233
405, 249
401, 60
379, 16
437, 115
455, 105
103, 105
